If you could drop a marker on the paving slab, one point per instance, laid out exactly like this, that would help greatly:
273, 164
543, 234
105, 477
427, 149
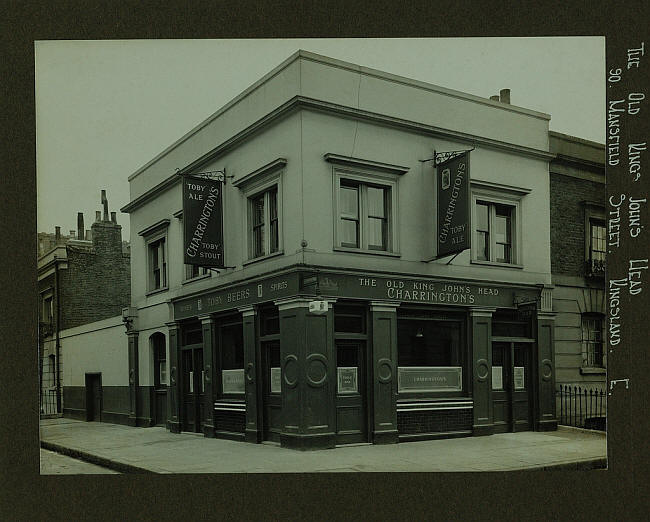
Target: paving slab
157, 450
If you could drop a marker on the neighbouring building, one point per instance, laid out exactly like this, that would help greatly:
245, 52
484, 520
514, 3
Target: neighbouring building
578, 261
334, 320
82, 278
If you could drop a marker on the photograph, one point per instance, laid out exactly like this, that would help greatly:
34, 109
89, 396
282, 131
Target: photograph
321, 255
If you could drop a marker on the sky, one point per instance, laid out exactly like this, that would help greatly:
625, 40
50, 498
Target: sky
105, 108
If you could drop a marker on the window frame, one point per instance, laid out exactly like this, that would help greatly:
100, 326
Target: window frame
511, 197
364, 179
157, 232
586, 343
262, 182
594, 212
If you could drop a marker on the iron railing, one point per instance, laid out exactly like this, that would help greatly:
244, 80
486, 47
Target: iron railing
48, 402
582, 408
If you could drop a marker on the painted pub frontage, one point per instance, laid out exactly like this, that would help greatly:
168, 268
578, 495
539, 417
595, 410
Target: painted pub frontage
329, 308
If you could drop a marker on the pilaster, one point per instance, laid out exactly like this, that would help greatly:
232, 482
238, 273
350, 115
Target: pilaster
544, 408
134, 380
208, 331
252, 380
481, 364
173, 401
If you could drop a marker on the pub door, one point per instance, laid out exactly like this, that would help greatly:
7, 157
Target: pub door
512, 385
351, 411
93, 396
193, 388
272, 391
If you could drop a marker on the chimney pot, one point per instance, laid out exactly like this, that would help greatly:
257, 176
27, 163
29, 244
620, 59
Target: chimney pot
114, 217
105, 203
504, 95
89, 235
80, 225
495, 97
73, 234
57, 233
98, 215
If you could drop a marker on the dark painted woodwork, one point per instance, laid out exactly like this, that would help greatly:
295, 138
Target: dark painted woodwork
252, 388
384, 374
192, 388
209, 336
308, 373
93, 396
513, 407
133, 377
173, 396
544, 404
351, 412
272, 401
481, 364
115, 403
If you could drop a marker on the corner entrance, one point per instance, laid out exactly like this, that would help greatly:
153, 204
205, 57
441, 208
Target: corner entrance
193, 388
93, 396
512, 387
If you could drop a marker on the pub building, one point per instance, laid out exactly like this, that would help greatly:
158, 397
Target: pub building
316, 264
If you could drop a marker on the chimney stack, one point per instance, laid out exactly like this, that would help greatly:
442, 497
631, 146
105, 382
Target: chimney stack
80, 225
105, 203
89, 235
98, 215
73, 234
504, 95
57, 234
114, 217
495, 97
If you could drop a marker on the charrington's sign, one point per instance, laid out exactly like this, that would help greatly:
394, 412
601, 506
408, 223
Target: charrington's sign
453, 205
203, 222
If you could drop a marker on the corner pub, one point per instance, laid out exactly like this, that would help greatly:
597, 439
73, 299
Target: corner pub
336, 315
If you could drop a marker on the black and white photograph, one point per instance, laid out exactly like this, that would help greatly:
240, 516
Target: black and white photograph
322, 255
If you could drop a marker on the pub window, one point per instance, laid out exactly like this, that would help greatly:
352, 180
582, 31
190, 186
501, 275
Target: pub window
494, 228
263, 223
429, 356
348, 319
592, 341
364, 215
365, 210
157, 264
232, 358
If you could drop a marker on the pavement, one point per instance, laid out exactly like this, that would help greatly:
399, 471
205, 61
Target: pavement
57, 464
155, 450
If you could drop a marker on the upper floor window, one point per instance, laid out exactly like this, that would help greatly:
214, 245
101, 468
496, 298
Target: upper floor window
595, 239
496, 223
263, 223
494, 238
48, 310
592, 341
157, 264
157, 255
364, 215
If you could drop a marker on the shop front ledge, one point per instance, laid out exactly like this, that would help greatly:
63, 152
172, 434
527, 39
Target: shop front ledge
434, 435
480, 430
229, 435
385, 437
546, 425
304, 442
253, 436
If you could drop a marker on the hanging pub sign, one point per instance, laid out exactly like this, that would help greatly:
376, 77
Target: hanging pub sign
203, 222
453, 205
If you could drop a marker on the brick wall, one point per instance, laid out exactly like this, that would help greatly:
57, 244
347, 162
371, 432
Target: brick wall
568, 222
97, 283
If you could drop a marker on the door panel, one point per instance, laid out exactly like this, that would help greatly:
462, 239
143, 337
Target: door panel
511, 386
187, 383
351, 416
272, 391
199, 389
93, 397
521, 385
501, 386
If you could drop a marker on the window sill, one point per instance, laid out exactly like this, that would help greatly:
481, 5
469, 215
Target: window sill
368, 252
156, 291
197, 278
263, 258
593, 371
496, 264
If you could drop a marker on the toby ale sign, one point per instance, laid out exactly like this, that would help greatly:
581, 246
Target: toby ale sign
453, 205
203, 222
